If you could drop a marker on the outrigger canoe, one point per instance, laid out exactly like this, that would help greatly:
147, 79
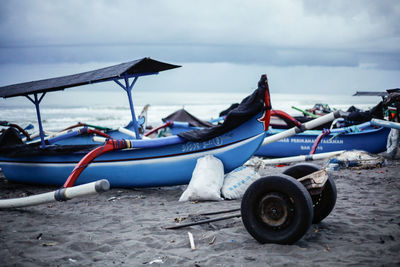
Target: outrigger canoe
127, 162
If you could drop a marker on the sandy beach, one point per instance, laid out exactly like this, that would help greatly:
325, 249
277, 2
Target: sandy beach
126, 227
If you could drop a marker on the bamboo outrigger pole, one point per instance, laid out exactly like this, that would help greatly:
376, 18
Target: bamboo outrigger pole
302, 158
304, 126
387, 124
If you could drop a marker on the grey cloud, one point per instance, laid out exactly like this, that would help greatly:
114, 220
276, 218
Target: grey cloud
280, 33
385, 13
201, 53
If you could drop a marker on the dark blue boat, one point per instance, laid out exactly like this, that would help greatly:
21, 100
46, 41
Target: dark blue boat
370, 139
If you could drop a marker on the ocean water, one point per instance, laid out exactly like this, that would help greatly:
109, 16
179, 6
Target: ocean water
111, 109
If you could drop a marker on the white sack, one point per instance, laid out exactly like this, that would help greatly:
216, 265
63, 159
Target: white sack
237, 181
206, 181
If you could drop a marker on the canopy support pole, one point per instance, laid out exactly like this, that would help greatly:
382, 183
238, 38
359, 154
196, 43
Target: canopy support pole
128, 88
36, 101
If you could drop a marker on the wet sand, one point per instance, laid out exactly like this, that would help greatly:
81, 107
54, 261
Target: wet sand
126, 227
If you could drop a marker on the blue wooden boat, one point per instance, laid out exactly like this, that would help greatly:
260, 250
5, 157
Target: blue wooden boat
360, 137
131, 162
370, 139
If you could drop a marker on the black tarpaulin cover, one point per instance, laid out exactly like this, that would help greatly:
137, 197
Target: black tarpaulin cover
249, 107
136, 67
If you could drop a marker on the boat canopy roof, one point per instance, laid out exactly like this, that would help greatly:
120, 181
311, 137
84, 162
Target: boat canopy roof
370, 93
382, 94
140, 67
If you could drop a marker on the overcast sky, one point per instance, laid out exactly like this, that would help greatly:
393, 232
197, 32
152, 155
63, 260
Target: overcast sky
310, 46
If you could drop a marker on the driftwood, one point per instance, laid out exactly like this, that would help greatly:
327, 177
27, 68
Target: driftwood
207, 220
215, 212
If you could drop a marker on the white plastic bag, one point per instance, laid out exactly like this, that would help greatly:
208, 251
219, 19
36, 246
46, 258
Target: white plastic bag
206, 181
237, 181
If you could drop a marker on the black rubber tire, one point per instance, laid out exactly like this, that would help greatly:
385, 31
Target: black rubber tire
323, 203
296, 200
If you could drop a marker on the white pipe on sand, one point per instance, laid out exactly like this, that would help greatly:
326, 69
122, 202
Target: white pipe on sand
62, 194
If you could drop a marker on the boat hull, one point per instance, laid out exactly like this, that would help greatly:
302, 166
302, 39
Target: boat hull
370, 139
144, 167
